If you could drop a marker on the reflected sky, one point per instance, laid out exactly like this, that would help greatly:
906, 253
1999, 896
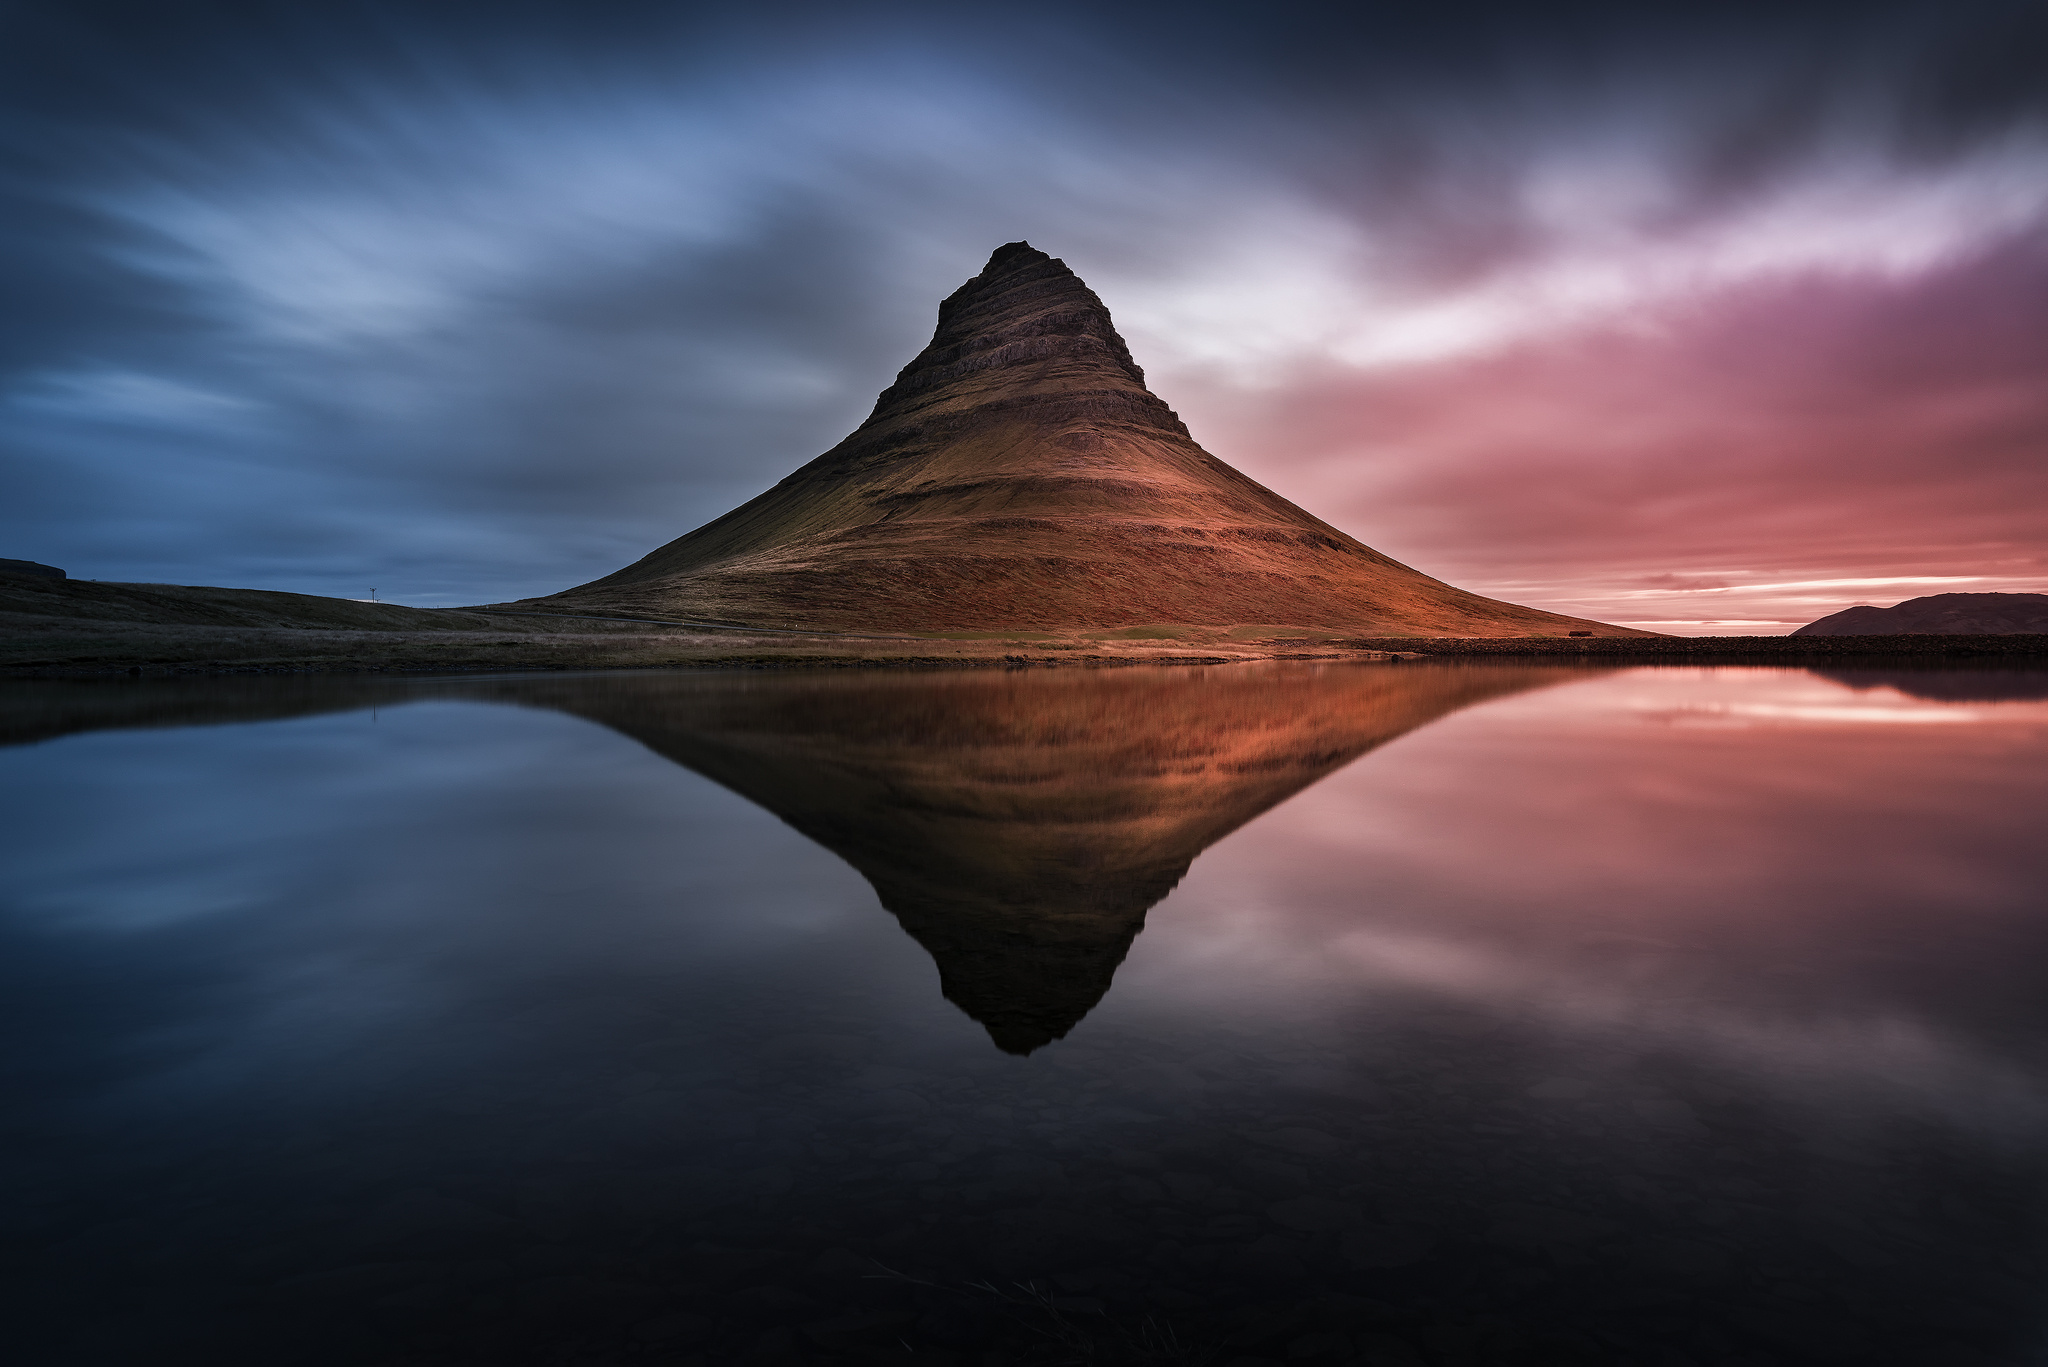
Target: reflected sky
1663, 1010
1793, 880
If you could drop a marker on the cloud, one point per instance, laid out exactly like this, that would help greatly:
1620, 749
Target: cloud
1793, 446
491, 300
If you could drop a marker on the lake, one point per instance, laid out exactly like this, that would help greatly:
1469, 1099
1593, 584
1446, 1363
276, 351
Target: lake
1378, 1014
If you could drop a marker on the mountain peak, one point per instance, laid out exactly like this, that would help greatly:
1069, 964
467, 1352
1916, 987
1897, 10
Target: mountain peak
1027, 324
1013, 267
1012, 256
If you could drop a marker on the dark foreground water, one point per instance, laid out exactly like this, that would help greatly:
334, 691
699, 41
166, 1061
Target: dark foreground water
1659, 1017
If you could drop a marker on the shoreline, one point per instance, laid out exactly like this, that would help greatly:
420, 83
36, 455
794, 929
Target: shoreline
88, 629
1731, 649
170, 652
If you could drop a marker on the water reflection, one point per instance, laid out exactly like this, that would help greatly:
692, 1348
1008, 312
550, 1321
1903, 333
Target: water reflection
1677, 1017
1948, 685
1019, 826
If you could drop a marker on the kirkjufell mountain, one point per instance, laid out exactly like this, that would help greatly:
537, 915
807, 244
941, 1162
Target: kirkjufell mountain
1018, 475
1941, 614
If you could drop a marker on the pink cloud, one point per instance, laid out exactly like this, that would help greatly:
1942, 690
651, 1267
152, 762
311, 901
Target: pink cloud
1755, 457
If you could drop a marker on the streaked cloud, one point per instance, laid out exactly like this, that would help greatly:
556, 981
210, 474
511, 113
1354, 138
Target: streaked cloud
485, 303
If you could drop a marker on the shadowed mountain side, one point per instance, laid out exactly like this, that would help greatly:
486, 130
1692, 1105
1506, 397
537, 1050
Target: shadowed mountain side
1940, 614
1020, 826
1018, 475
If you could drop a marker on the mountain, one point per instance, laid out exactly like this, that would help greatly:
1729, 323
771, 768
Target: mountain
1941, 614
30, 569
1018, 475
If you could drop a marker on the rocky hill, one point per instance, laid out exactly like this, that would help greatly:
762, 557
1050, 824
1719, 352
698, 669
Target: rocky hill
1018, 475
1941, 614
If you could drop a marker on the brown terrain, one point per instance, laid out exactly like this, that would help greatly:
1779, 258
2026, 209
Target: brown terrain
1018, 825
54, 627
1018, 475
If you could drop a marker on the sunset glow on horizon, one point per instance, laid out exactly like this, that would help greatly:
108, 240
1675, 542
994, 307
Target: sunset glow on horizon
1714, 323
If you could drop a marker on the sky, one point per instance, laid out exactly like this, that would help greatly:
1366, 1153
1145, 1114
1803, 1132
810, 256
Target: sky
1703, 317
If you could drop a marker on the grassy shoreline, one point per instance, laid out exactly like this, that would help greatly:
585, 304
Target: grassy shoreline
158, 651
403, 653
1726, 649
54, 629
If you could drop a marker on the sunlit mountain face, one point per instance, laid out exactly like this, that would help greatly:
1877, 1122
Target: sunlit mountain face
1701, 318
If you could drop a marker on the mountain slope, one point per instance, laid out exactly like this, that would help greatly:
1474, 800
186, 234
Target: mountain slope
1940, 614
1019, 475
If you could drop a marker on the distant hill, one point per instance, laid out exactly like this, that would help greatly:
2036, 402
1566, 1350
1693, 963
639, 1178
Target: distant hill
200, 605
1941, 614
1018, 475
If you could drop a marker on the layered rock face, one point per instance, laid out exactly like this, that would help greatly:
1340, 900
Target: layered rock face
1018, 475
1941, 614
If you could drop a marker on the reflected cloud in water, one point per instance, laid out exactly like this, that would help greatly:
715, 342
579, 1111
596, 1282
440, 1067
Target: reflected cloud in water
1759, 869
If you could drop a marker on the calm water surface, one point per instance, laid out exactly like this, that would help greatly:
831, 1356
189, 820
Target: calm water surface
1673, 1017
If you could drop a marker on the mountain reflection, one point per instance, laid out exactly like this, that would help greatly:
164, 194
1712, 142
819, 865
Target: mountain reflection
1948, 685
1019, 825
